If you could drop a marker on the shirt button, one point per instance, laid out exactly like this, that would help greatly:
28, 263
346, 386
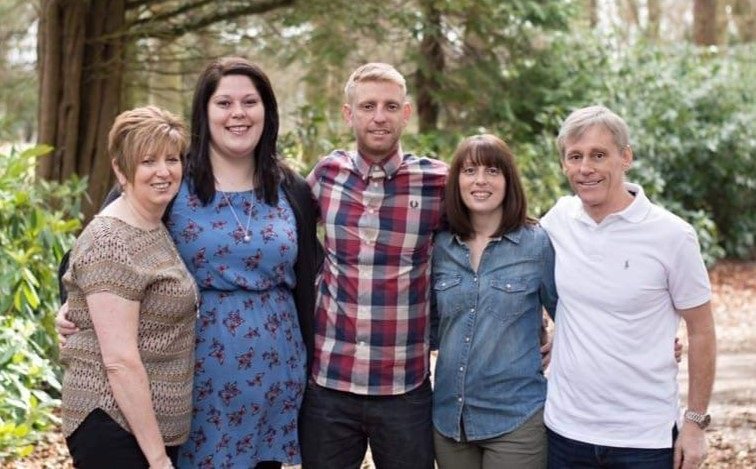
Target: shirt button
509, 286
443, 284
461, 368
361, 343
467, 339
459, 399
472, 310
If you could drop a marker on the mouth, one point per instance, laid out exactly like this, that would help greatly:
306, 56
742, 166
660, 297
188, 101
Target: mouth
481, 195
161, 186
379, 132
238, 129
589, 183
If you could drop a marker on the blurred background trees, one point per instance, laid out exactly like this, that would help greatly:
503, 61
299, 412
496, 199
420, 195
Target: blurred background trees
681, 73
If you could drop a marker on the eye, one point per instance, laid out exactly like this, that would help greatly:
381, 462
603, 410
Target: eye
573, 156
393, 107
367, 107
469, 170
251, 102
223, 103
599, 155
493, 171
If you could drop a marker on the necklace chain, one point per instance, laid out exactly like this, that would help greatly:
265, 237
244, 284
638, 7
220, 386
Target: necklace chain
247, 237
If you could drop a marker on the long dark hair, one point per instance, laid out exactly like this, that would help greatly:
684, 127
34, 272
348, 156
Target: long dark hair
486, 150
268, 167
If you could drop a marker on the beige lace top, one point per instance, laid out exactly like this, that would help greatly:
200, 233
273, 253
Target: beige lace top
111, 255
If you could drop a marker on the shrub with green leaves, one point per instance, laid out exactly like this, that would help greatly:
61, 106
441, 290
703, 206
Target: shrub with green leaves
37, 224
691, 117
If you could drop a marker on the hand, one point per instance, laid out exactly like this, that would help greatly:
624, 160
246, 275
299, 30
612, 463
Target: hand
690, 447
678, 350
163, 462
546, 353
546, 341
63, 326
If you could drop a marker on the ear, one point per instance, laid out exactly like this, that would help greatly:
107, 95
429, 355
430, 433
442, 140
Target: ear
346, 113
406, 112
627, 158
120, 177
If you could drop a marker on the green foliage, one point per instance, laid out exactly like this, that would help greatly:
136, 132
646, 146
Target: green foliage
37, 223
691, 115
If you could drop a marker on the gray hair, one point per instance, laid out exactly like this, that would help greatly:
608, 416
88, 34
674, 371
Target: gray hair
580, 120
374, 71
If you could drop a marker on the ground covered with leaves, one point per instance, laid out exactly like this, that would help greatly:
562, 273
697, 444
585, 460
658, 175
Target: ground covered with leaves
732, 436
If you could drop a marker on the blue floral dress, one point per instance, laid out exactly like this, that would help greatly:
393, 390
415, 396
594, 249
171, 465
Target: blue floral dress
249, 374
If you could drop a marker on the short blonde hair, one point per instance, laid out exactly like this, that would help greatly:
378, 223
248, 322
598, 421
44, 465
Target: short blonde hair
580, 120
374, 71
143, 131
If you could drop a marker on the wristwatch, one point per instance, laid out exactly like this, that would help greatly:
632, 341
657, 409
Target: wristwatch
702, 420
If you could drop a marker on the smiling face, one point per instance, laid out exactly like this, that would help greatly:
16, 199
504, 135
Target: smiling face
482, 189
377, 113
236, 117
156, 179
595, 168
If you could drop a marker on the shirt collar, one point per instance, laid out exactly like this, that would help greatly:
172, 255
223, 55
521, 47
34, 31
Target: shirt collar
513, 236
633, 213
389, 165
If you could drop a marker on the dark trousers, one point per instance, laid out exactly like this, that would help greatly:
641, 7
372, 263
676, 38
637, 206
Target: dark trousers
335, 428
101, 442
567, 453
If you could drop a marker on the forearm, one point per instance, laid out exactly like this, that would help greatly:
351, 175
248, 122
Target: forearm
702, 347
130, 385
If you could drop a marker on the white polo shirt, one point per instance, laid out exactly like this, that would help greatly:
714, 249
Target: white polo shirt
613, 378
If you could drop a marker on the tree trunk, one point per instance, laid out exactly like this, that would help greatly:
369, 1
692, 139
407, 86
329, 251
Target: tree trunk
705, 22
745, 19
654, 18
430, 66
80, 60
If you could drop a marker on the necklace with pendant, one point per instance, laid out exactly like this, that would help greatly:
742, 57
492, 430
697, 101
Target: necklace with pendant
245, 229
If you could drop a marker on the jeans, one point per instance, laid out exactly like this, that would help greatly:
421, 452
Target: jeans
335, 428
567, 453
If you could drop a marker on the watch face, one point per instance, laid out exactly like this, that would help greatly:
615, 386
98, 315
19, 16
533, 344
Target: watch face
706, 421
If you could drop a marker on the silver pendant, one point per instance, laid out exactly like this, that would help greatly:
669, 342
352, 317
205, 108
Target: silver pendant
247, 238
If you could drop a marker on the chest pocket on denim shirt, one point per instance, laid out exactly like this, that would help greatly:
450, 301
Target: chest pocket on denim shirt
448, 291
510, 296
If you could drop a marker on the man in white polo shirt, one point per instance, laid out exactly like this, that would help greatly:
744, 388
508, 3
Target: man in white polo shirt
626, 271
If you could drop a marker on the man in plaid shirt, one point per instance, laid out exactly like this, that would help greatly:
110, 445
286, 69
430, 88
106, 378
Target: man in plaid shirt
380, 208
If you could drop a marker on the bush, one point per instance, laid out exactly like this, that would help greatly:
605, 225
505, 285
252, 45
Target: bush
691, 116
37, 222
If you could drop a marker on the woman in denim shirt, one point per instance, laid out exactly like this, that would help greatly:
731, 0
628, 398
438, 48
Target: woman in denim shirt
493, 273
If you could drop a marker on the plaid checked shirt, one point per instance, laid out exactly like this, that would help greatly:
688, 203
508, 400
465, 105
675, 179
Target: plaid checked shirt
372, 310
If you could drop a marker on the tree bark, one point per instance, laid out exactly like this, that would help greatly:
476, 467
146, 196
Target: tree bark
80, 51
705, 22
654, 18
745, 20
430, 68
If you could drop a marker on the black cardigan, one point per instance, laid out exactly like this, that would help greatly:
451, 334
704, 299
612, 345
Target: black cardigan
309, 255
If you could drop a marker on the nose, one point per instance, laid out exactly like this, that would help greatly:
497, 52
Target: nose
586, 167
380, 114
237, 110
162, 169
480, 176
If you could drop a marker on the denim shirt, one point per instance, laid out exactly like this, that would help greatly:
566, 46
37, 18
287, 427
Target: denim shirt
488, 373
